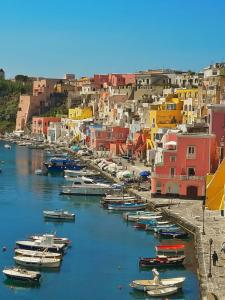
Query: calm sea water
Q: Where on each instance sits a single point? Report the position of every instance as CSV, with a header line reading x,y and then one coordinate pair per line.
x,y
103,259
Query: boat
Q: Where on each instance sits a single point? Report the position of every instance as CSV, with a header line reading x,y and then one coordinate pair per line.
x,y
120,197
7,146
56,240
157,282
19,274
58,215
164,291
133,217
70,174
39,262
176,248
157,228
60,164
38,172
149,224
127,206
45,243
161,261
46,254
173,234
85,186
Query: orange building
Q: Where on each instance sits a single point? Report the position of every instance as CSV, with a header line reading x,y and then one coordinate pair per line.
x,y
40,124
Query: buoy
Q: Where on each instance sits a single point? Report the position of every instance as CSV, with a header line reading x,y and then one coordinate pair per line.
x,y
4,248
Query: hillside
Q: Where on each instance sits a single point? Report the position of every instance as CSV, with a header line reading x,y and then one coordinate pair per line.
x,y
10,92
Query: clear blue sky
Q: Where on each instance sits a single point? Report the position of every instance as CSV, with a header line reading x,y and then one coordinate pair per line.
x,y
52,37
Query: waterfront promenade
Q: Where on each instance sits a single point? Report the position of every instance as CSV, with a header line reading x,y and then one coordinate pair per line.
x,y
189,213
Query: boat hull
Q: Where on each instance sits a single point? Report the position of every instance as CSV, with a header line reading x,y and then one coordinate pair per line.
x,y
84,191
40,247
161,262
143,285
36,263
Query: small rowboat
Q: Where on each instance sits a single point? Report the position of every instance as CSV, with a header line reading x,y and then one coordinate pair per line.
x,y
58,215
177,248
121,197
127,206
164,291
147,285
161,261
22,275
173,234
156,228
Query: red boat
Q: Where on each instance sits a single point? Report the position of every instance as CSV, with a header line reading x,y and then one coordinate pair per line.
x,y
140,226
161,261
176,248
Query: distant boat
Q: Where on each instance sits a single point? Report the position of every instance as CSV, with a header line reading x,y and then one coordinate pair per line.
x,y
58,215
85,186
120,197
46,254
39,262
7,146
19,274
176,248
60,164
127,206
164,291
173,234
161,261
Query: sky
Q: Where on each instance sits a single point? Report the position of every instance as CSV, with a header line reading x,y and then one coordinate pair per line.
x,y
51,37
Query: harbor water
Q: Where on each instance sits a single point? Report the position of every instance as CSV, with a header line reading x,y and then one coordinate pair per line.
x,y
103,259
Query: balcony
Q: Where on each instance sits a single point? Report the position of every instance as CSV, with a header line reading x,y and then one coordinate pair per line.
x,y
177,177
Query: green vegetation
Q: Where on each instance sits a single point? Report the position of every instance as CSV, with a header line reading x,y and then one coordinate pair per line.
x,y
10,92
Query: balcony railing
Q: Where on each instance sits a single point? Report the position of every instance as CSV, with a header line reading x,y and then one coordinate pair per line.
x,y
177,177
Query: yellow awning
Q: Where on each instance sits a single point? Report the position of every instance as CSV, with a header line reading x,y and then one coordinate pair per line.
x,y
215,187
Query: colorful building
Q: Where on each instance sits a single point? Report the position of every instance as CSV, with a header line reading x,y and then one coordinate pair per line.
x,y
79,113
165,115
101,138
40,124
182,163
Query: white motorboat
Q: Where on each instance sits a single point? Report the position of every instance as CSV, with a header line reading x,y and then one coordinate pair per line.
x,y
143,216
30,253
21,274
58,215
70,174
164,291
40,262
120,197
56,240
45,243
85,186
7,146
157,282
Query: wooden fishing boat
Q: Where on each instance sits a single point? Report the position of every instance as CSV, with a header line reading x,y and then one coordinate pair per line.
x,y
58,215
164,291
173,234
37,262
161,261
157,228
144,215
24,275
176,248
46,254
144,285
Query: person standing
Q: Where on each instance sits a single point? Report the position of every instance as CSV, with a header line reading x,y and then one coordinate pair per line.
x,y
215,258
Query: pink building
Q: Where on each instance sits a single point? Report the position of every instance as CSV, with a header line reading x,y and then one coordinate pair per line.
x,y
216,121
30,105
182,164
115,80
101,139
40,124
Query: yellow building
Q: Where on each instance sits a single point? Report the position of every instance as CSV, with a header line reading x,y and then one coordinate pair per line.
x,y
80,113
165,115
184,94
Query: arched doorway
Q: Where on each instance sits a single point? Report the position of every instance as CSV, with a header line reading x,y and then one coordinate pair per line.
x,y
192,192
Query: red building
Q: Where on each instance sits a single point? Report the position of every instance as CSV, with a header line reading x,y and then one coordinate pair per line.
x,y
40,124
102,139
182,164
115,80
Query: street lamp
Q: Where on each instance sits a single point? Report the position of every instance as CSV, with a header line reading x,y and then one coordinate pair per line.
x,y
203,217
210,259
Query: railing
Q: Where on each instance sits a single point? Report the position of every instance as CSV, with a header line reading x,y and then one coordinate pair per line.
x,y
177,177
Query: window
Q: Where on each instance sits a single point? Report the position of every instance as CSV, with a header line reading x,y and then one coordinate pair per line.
x,y
172,172
191,152
191,171
172,158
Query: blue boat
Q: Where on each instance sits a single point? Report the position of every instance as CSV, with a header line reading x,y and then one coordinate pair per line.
x,y
127,206
173,234
59,164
